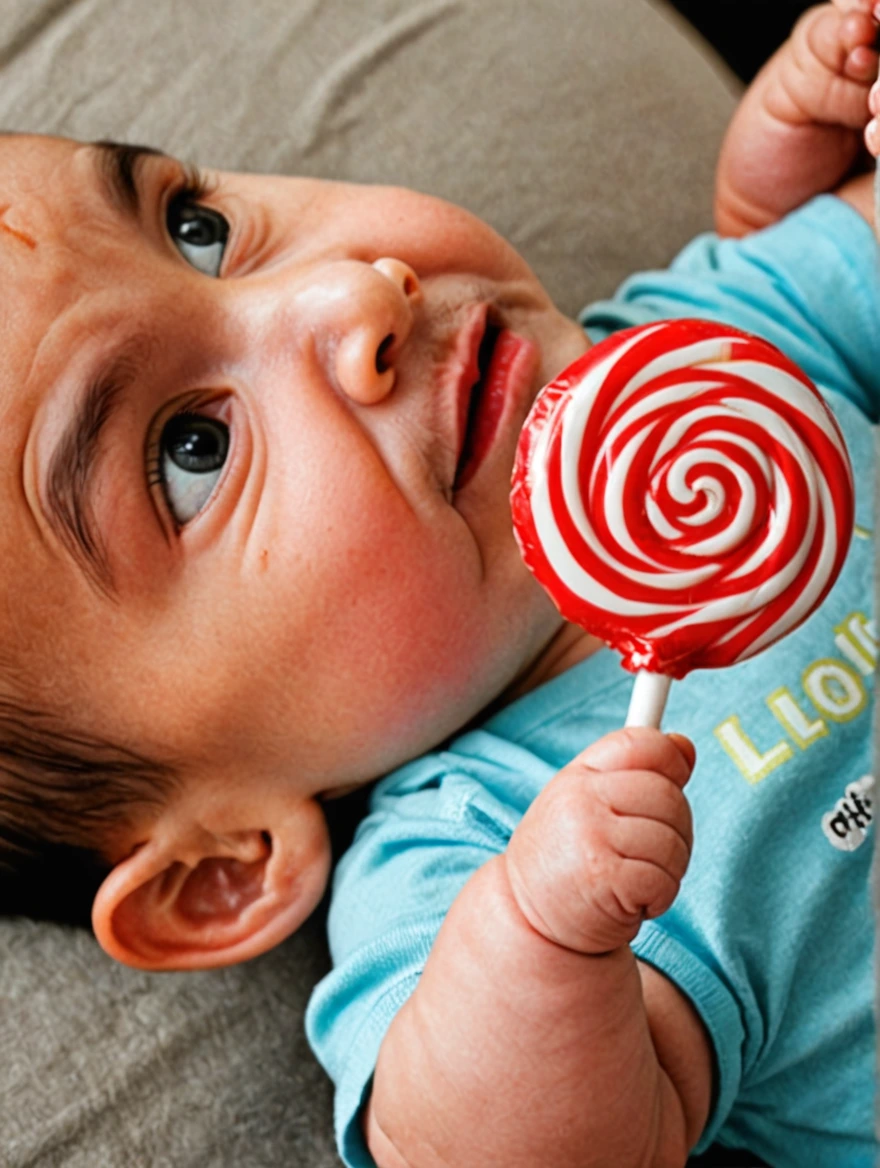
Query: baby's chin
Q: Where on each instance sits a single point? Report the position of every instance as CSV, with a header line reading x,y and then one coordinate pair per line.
x,y
434,719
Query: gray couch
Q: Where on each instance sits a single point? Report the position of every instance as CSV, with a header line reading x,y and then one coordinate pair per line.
x,y
585,131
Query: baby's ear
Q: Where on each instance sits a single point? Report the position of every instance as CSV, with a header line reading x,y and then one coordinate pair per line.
x,y
199,899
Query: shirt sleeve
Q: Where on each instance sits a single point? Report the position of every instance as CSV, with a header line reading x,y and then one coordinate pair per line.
x,y
702,981
391,891
809,284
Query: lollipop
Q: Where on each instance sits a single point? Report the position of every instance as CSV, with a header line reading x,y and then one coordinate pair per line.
x,y
683,492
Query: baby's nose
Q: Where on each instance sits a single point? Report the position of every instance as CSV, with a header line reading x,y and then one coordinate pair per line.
x,y
380,319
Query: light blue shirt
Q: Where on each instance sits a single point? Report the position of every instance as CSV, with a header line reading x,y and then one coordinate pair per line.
x,y
771,935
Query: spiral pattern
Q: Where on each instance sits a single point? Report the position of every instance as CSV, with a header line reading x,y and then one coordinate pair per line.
x,y
683,492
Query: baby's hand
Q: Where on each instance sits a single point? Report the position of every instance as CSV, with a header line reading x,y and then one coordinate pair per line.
x,y
801,127
607,842
833,61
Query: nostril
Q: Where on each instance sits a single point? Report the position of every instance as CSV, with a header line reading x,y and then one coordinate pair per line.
x,y
381,363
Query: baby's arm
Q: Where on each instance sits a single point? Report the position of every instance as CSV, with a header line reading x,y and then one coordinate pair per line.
x,y
799,129
534,1036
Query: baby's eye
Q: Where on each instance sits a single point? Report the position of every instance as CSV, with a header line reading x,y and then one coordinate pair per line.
x,y
192,452
199,233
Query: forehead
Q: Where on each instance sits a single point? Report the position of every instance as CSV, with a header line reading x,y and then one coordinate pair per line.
x,y
40,179
51,210
44,195
25,158
49,195
69,248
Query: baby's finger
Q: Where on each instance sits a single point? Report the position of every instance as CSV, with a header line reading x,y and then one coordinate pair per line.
x,y
853,5
649,890
872,130
856,5
858,44
861,64
686,747
858,28
646,795
653,842
831,38
872,136
639,748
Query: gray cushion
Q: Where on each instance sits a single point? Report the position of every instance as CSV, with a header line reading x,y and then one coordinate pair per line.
x,y
106,1067
586,132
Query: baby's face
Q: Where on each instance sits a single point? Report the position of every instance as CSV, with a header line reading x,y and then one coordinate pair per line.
x,y
252,516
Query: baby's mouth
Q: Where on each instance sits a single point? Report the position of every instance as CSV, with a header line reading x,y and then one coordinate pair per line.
x,y
483,408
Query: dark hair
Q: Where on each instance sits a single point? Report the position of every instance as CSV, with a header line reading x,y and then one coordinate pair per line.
x,y
63,796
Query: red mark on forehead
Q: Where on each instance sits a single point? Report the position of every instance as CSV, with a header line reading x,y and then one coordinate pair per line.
x,y
22,236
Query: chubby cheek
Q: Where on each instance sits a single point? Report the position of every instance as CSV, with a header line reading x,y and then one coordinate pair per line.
x,y
406,646
377,651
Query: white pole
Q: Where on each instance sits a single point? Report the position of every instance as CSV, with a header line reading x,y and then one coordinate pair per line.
x,y
648,699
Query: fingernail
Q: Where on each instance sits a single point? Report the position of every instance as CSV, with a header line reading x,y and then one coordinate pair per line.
x,y
872,135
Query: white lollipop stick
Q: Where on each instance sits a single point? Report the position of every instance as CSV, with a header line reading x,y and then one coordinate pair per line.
x,y
648,700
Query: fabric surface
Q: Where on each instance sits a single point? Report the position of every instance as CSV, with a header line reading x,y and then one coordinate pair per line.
x,y
771,933
508,108
105,1067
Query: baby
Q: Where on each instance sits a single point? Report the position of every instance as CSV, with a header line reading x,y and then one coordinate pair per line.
x,y
286,475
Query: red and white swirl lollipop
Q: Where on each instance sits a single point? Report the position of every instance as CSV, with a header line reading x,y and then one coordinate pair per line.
x,y
683,492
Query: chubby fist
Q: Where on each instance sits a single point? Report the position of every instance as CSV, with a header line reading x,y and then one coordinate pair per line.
x,y
607,841
802,126
824,74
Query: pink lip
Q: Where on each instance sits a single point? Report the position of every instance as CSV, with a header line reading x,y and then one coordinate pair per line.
x,y
467,350
508,377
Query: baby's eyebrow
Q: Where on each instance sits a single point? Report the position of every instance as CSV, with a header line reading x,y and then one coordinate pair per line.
x,y
117,165
70,476
71,470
